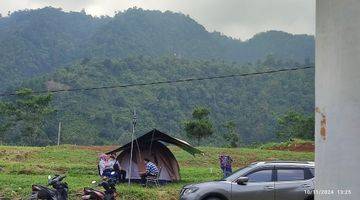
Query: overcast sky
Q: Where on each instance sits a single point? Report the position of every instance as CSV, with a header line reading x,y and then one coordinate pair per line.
x,y
236,18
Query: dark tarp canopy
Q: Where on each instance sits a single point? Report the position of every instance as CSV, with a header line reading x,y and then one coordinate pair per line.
x,y
156,135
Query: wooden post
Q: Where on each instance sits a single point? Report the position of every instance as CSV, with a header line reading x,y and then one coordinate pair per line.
x,y
132,144
59,132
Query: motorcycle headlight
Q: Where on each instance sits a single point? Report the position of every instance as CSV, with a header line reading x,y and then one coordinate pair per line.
x,y
189,190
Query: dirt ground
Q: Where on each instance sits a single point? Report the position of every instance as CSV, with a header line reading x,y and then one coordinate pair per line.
x,y
305,147
98,148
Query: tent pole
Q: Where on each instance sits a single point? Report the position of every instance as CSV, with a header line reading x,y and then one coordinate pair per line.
x,y
152,138
138,147
132,145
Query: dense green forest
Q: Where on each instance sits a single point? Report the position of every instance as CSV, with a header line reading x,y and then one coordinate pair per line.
x,y
104,116
34,42
48,49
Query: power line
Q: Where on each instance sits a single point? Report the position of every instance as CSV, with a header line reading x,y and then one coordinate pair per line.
x,y
162,82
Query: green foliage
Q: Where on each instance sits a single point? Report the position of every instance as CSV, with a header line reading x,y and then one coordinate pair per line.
x,y
104,116
296,125
35,42
49,49
23,118
231,136
200,113
200,126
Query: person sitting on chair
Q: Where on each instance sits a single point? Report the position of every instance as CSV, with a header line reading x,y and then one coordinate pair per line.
x,y
120,173
151,171
104,165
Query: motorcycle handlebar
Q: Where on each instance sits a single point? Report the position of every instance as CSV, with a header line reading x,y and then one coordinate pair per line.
x,y
57,178
62,177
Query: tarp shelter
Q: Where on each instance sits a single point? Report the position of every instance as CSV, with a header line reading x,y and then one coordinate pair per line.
x,y
152,146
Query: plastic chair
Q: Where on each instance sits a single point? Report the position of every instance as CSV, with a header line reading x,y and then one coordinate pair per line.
x,y
154,179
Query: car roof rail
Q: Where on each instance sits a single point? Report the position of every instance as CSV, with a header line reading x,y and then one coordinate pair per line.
x,y
296,162
255,163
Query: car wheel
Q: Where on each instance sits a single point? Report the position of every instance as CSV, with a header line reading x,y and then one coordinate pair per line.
x,y
213,198
310,198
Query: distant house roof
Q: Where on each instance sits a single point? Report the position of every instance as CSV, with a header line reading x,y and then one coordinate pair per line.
x,y
156,135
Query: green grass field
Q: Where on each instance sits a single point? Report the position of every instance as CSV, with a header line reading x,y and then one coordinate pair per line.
x,y
20,167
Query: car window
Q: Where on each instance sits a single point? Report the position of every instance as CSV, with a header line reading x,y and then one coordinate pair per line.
x,y
260,176
312,170
309,173
238,173
290,174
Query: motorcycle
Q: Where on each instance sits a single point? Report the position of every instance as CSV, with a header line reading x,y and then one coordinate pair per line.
x,y
110,191
60,191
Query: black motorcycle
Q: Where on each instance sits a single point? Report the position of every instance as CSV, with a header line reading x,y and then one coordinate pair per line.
x,y
109,194
60,191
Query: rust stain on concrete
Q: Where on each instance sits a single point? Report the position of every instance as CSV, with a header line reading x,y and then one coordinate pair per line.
x,y
323,123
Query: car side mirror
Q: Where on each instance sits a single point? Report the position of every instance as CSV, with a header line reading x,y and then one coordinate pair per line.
x,y
242,180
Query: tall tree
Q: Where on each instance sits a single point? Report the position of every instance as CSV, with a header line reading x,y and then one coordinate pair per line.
x,y
200,125
295,125
22,118
232,137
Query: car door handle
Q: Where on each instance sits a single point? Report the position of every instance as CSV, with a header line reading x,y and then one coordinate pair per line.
x,y
269,187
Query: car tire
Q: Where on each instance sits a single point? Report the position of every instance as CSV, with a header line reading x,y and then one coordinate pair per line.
x,y
310,198
213,198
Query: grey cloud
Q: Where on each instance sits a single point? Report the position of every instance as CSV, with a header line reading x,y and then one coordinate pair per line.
x,y
236,18
243,18
66,4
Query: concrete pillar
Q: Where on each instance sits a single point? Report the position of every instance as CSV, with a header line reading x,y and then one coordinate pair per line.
x,y
337,83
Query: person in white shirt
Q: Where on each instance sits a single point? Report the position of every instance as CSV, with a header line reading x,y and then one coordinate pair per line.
x,y
103,164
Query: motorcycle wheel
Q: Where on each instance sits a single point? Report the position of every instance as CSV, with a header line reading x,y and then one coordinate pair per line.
x,y
34,196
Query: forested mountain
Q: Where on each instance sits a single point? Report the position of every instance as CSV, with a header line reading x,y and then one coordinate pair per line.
x,y
34,42
48,49
104,116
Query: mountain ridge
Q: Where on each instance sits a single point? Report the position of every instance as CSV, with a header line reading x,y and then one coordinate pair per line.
x,y
36,42
48,49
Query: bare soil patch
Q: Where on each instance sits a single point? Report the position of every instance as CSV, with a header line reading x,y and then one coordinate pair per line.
x,y
303,147
98,148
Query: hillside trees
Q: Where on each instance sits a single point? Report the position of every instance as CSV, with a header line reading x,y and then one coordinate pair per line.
x,y
97,117
36,42
232,136
200,125
22,118
48,48
296,125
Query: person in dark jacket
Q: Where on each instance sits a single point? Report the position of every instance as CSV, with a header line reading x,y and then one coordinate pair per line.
x,y
120,173
226,164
